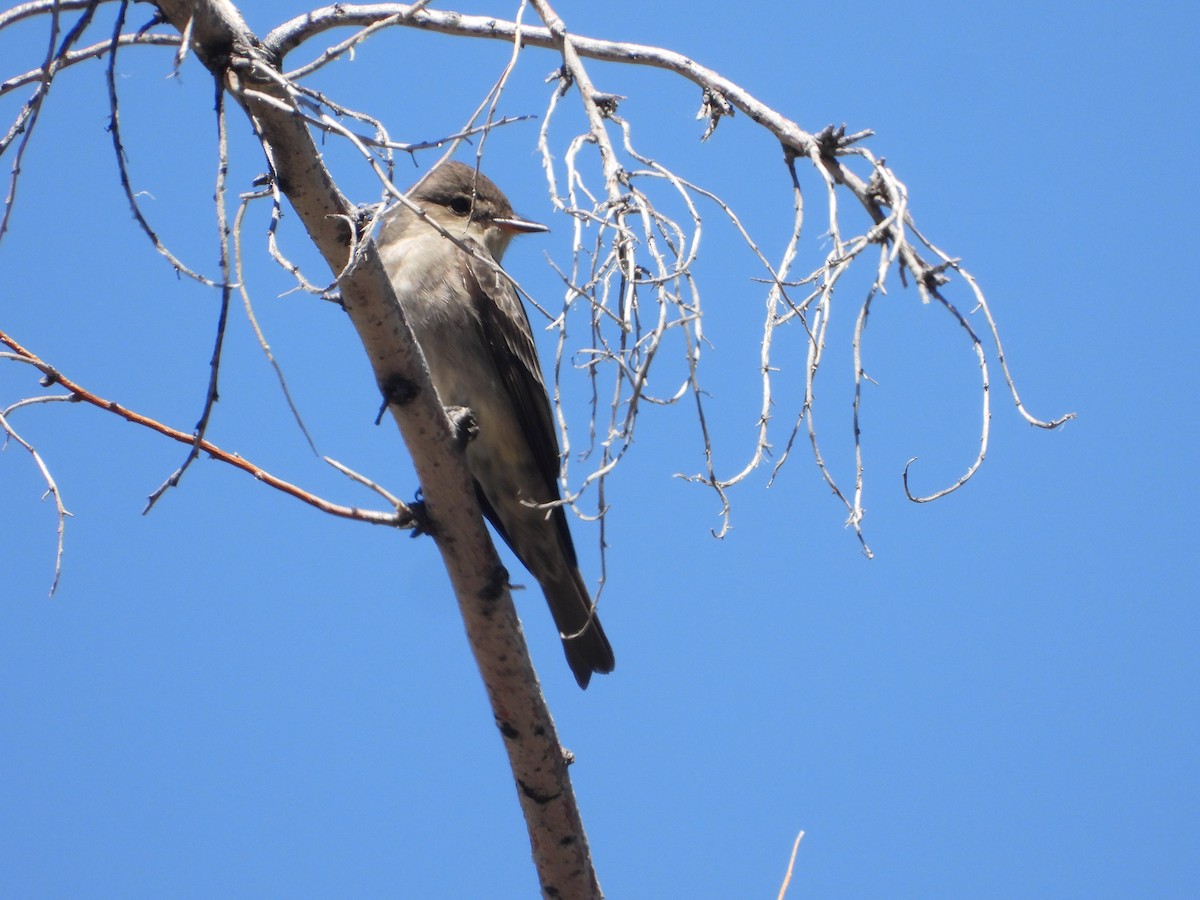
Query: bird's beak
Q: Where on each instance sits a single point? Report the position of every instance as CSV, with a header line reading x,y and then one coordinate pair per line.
x,y
520,226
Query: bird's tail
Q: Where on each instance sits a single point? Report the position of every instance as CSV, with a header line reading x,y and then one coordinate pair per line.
x,y
583,638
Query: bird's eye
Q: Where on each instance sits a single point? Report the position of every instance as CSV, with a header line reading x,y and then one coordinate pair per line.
x,y
460,205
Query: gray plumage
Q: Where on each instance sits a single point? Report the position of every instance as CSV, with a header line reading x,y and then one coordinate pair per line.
x,y
479,346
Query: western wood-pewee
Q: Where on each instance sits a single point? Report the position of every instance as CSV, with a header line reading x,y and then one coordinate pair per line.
x,y
479,346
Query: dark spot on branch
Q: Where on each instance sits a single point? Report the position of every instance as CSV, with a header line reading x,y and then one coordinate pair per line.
x,y
397,390
497,584
537,796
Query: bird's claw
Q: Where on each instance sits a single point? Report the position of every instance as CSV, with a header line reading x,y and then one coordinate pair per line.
x,y
422,523
464,423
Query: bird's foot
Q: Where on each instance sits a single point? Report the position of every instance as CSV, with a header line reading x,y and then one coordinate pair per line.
x,y
463,421
422,523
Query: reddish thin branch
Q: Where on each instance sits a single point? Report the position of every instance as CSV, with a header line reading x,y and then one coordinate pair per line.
x,y
83,395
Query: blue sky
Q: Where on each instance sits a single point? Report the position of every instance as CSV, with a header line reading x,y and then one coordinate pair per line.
x,y
237,696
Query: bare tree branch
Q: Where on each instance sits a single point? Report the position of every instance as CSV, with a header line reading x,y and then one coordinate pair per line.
x,y
51,484
401,517
787,878
629,225
27,119
114,128
214,366
95,51
225,45
631,282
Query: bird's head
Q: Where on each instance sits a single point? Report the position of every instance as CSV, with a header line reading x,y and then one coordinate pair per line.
x,y
465,201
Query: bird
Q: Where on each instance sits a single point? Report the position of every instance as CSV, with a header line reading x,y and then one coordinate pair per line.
x,y
475,334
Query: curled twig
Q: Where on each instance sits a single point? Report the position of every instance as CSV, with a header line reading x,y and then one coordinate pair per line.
x,y
51,484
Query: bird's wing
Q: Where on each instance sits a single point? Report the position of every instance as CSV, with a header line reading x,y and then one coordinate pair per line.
x,y
508,335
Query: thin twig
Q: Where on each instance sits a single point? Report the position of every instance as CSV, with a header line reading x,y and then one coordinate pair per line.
x,y
51,484
28,117
114,128
246,199
214,365
95,51
787,878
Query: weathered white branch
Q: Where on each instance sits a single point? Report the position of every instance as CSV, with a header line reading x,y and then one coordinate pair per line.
x,y
227,48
